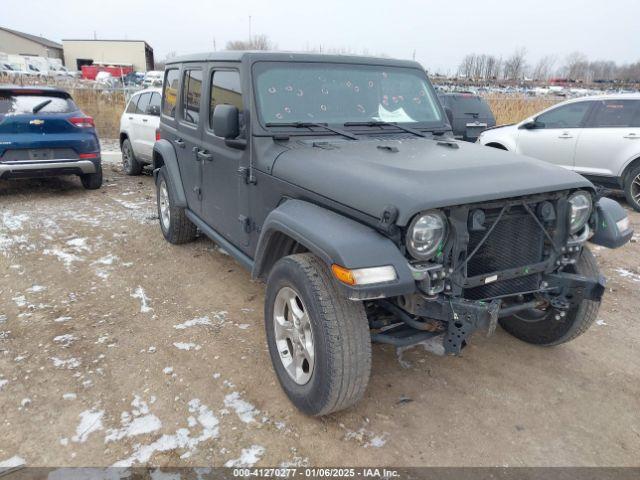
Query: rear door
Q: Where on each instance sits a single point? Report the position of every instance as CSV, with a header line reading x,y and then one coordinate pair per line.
x,y
147,127
225,196
555,142
189,135
610,139
137,125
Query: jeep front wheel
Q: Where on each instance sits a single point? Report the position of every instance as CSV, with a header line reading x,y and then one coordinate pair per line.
x,y
175,225
547,327
318,340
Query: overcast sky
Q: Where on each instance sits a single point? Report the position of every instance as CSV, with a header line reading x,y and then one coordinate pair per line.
x,y
440,32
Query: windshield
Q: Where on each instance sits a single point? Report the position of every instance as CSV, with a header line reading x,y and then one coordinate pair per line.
x,y
341,93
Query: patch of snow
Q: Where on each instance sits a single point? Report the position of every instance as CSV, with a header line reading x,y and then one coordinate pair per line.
x,y
186,346
36,289
69,396
69,364
628,274
248,457
167,370
144,300
3,318
62,319
90,421
106,260
64,257
192,323
601,322
3,382
65,340
243,326
13,462
138,422
20,300
25,402
79,244
245,411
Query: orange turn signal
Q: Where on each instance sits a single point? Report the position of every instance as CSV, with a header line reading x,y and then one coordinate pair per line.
x,y
343,274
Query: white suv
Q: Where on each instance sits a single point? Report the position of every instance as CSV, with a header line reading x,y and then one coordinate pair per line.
x,y
138,126
598,137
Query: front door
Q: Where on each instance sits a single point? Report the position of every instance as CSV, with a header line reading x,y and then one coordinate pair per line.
x,y
225,201
556,139
189,135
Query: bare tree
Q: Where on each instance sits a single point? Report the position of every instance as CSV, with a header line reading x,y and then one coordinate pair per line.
x,y
515,65
257,42
544,68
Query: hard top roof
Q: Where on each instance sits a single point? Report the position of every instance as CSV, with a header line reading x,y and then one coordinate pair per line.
x,y
251,55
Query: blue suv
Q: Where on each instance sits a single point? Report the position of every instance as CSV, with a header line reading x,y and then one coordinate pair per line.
x,y
44,133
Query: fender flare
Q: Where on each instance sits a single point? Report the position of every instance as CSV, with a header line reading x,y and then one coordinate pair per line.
x,y
335,239
165,150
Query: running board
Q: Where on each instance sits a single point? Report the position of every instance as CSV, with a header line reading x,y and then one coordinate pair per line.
x,y
239,255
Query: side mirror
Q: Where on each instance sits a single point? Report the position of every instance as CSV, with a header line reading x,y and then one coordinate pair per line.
x,y
449,113
532,125
154,110
612,229
225,121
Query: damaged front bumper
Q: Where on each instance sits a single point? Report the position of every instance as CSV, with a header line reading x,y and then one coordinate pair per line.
x,y
456,319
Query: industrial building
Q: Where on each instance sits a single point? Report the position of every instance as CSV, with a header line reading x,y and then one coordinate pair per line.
x,y
121,52
13,42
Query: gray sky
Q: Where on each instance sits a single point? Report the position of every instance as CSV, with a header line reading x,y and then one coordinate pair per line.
x,y
440,32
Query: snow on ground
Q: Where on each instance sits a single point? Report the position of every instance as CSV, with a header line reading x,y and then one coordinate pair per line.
x,y
144,300
248,457
186,346
13,462
245,411
192,323
137,422
624,273
90,421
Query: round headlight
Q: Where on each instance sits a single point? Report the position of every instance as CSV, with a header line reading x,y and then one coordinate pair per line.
x,y
426,234
580,210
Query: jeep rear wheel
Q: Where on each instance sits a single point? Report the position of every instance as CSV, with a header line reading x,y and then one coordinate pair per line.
x,y
175,225
542,327
318,340
130,164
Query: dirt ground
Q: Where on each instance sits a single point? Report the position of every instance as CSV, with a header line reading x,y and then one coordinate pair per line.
x,y
119,348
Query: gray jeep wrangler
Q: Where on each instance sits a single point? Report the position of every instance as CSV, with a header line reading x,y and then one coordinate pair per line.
x,y
335,180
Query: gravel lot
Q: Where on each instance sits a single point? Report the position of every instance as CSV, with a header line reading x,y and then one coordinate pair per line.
x,y
119,348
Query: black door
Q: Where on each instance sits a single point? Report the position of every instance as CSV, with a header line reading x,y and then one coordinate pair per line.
x,y
189,135
225,201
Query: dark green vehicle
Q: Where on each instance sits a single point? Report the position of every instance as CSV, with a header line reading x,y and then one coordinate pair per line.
x,y
335,180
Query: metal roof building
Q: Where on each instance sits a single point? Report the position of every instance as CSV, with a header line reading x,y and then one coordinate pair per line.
x,y
20,43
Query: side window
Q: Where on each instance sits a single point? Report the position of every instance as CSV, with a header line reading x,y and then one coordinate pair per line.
x,y
154,102
615,113
191,90
170,92
567,116
226,90
131,108
143,103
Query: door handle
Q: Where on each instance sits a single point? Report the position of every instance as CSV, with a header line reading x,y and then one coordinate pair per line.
x,y
632,136
566,135
145,120
204,155
130,118
179,142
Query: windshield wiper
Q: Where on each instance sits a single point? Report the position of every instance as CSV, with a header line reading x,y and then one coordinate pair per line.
x,y
312,124
379,123
41,105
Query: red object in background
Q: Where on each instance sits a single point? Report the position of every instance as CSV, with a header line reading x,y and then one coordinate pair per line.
x,y
89,72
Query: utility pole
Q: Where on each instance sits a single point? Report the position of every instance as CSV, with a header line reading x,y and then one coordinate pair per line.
x,y
214,44
249,29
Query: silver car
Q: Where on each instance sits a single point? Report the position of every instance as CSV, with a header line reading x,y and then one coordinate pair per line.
x,y
598,137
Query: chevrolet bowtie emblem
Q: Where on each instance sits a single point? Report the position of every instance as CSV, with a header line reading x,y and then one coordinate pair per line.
x,y
37,121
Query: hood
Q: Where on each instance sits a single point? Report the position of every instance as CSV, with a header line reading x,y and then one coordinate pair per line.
x,y
417,174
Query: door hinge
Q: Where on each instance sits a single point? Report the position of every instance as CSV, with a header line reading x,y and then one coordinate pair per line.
x,y
198,192
247,225
245,173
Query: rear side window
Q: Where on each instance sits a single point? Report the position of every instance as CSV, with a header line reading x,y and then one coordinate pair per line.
x,y
131,108
155,101
567,116
19,104
143,103
191,91
225,90
170,92
615,113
